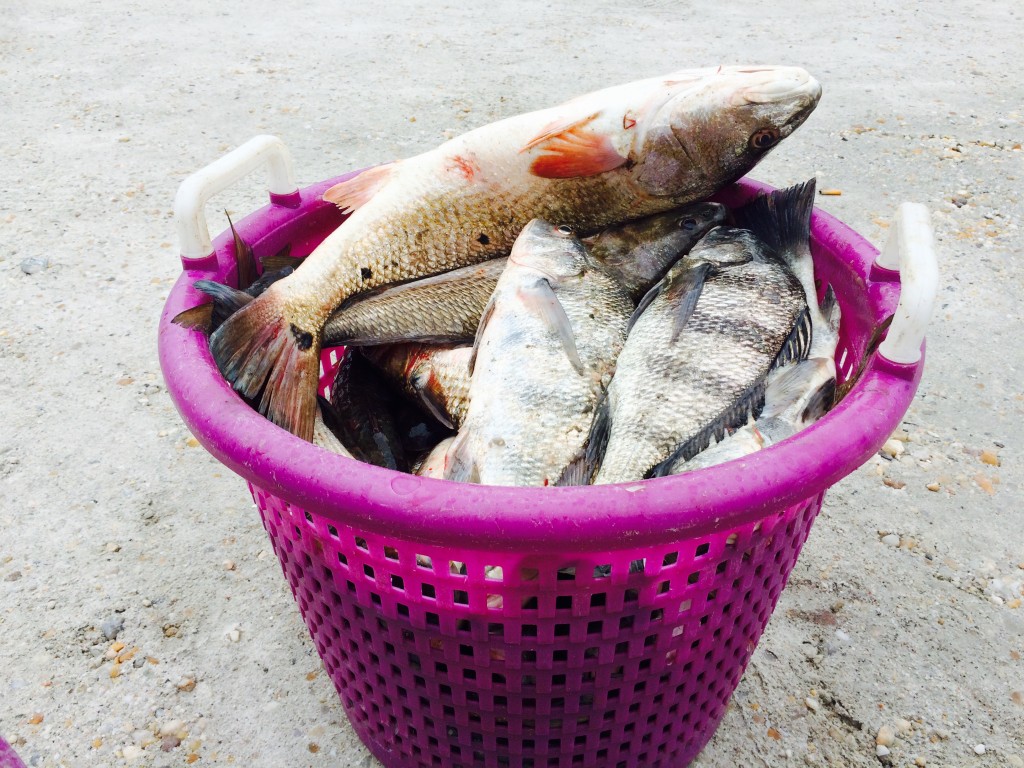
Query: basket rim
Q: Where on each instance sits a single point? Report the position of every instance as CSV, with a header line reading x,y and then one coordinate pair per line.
x,y
500,518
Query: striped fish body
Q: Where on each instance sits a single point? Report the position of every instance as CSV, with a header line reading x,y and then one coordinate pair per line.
x,y
669,398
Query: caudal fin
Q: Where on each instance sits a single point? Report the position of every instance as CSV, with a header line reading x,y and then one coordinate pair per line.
x,y
272,361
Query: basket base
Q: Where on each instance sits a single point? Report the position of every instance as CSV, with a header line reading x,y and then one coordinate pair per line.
x,y
452,659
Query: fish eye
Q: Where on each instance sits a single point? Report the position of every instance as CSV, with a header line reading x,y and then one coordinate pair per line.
x,y
564,230
689,223
765,138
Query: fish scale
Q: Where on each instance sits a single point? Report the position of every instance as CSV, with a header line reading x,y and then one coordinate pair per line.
x,y
666,394
530,409
582,164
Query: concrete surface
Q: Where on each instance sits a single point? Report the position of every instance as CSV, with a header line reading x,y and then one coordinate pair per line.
x,y
109,513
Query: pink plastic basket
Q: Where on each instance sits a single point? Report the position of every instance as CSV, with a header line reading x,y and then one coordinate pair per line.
x,y
486,626
8,758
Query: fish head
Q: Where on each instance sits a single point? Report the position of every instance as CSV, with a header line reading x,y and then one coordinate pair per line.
x,y
710,130
728,246
639,252
552,250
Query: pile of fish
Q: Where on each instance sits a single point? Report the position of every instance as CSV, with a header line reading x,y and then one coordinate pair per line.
x,y
546,300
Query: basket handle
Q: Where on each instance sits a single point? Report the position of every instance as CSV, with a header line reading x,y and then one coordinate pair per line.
x,y
197,189
910,249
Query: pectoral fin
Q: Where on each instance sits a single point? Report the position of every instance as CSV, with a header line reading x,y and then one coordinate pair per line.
x,y
540,299
571,149
352,194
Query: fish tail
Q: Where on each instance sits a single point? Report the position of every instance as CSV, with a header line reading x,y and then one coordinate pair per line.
x,y
267,358
226,300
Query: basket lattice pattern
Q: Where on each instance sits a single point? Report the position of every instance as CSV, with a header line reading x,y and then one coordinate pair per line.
x,y
449,658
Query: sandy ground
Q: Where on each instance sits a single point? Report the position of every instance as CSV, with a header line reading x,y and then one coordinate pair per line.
x,y
111,516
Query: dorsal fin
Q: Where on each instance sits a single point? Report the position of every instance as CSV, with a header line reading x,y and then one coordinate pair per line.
x,y
352,194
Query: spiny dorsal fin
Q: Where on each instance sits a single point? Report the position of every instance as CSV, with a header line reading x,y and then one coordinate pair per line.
x,y
781,218
352,194
244,260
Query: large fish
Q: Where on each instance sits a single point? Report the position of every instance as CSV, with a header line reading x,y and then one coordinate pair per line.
x,y
435,377
545,353
446,308
698,355
613,155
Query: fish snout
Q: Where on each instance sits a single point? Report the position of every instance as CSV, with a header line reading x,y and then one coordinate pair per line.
x,y
773,85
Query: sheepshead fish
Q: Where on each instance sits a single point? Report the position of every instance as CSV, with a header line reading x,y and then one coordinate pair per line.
x,y
446,308
799,393
544,355
434,377
613,155
432,464
698,355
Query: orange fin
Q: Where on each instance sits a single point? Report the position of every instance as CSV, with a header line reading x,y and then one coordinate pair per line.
x,y
354,193
570,150
269,359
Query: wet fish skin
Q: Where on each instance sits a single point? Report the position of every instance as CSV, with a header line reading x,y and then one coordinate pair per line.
x,y
441,309
434,377
640,252
669,399
544,356
446,308
621,153
359,414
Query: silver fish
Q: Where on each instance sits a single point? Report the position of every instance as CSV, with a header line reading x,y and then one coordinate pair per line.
x,y
698,354
545,353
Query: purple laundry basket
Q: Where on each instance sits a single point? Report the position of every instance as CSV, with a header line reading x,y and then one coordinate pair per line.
x,y
8,758
466,625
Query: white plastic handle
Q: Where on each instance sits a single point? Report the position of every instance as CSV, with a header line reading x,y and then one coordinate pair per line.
x,y
197,189
911,250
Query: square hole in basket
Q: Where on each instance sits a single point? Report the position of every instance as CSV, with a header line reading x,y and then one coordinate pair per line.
x,y
456,568
594,627
494,573
428,591
361,543
461,597
423,561
567,574
368,570
563,601
390,552
529,630
598,600
602,571
332,531
397,582
342,559
433,619
693,578
561,630
703,549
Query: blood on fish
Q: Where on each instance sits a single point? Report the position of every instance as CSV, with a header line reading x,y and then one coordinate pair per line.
x,y
628,121
466,168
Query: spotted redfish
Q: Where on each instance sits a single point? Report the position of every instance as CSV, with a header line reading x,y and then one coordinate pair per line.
x,y
610,156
